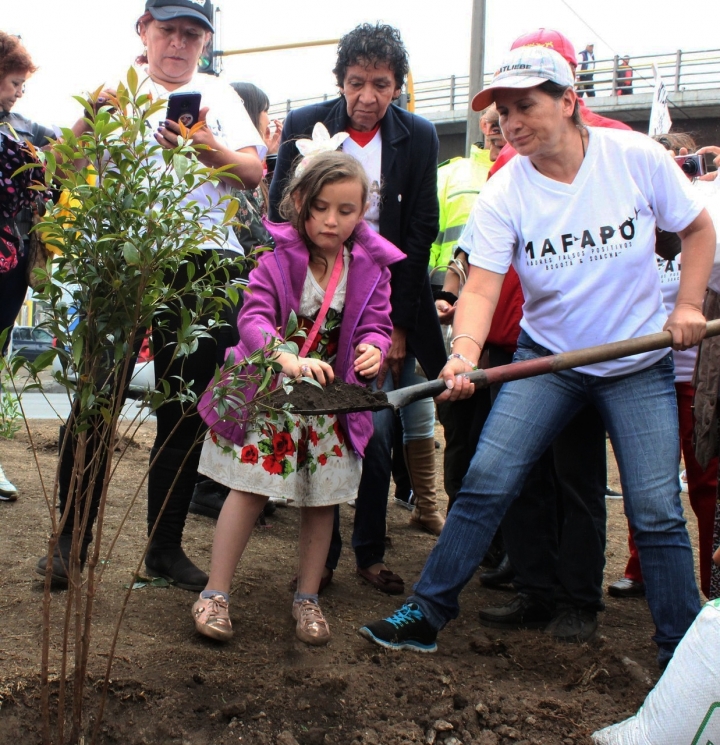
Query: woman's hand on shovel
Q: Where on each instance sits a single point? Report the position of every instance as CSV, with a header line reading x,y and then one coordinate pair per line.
x,y
687,326
455,376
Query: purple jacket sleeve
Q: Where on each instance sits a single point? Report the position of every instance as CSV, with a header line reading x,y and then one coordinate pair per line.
x,y
375,326
261,314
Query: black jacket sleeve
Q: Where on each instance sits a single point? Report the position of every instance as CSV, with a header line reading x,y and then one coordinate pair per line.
x,y
420,230
287,154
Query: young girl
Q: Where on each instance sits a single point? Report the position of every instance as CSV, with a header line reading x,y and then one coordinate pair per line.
x,y
314,461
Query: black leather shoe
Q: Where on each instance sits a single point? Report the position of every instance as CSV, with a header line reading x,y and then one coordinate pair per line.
x,y
522,612
208,498
573,625
59,576
173,565
503,574
626,588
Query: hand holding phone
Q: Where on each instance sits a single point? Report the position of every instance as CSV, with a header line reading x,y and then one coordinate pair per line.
x,y
183,108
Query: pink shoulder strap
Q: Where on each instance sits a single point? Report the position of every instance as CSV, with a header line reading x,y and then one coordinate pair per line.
x,y
329,294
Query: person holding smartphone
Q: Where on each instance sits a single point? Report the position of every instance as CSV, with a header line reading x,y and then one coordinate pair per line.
x,y
175,33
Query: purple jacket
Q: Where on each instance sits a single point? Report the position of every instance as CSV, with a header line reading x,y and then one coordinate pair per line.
x,y
275,290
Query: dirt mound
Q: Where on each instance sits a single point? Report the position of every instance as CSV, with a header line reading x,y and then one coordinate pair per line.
x,y
173,687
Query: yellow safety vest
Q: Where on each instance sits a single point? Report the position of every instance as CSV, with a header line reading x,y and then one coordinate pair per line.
x,y
459,183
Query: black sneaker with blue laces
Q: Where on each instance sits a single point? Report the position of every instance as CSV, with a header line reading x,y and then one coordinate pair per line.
x,y
407,628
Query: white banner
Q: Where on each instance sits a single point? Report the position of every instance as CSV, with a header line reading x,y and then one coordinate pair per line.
x,y
660,121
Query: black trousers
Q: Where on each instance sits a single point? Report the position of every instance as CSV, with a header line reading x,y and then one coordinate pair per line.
x,y
554,532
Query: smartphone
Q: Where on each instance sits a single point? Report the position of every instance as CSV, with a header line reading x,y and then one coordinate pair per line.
x,y
183,108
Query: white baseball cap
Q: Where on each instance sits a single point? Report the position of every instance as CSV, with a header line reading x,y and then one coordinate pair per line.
x,y
526,67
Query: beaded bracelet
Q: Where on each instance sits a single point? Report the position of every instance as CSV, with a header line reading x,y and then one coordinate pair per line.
x,y
465,336
462,358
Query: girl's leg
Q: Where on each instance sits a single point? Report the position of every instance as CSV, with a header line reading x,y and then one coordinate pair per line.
x,y
235,523
234,526
316,524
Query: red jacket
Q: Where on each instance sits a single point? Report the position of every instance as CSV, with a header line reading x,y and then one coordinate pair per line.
x,y
505,326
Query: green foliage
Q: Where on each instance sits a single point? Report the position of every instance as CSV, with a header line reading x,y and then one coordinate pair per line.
x,y
10,414
126,229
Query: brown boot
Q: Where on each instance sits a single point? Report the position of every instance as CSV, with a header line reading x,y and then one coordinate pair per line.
x,y
420,459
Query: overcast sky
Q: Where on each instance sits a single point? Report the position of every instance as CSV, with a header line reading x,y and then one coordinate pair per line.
x,y
80,44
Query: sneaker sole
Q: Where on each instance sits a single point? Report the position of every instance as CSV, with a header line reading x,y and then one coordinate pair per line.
x,y
313,641
403,503
211,633
5,497
412,646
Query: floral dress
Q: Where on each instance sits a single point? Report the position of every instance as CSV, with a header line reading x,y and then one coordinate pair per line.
x,y
305,459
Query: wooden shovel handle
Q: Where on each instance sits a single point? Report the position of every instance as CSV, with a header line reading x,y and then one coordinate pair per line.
x,y
551,363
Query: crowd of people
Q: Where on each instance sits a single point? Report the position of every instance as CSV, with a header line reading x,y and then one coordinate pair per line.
x,y
563,229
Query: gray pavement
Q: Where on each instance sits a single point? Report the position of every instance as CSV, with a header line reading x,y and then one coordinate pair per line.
x,y
57,406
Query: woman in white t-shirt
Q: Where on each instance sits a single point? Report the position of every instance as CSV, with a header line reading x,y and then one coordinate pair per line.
x,y
575,214
175,33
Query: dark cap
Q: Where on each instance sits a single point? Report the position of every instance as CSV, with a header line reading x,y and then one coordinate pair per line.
x,y
168,10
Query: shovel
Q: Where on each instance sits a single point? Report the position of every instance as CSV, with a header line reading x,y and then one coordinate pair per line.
x,y
376,400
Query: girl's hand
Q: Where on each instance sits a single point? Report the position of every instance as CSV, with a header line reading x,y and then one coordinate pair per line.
x,y
367,360
454,374
307,367
716,557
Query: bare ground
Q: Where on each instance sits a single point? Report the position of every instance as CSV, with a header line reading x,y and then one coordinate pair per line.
x,y
170,686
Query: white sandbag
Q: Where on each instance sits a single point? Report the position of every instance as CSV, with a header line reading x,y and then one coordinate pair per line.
x,y
684,706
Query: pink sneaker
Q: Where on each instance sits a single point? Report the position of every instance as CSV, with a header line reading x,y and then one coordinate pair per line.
x,y
312,628
212,617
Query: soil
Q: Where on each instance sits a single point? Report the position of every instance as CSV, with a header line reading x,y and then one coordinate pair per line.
x,y
171,686
306,398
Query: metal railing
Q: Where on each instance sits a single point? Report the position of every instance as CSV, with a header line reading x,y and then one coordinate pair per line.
x,y
681,71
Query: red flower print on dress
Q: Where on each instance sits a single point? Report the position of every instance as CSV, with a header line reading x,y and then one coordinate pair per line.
x,y
249,454
337,429
312,436
322,459
213,437
272,465
282,445
337,451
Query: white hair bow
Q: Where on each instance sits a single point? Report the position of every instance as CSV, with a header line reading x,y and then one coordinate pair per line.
x,y
321,142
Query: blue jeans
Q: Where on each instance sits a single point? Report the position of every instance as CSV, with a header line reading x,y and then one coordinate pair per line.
x,y
418,421
640,415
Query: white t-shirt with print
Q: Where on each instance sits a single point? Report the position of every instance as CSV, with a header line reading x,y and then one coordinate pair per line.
x,y
229,122
669,275
669,272
370,157
710,193
585,252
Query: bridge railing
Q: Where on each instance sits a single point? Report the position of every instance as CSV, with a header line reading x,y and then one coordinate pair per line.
x,y
681,71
